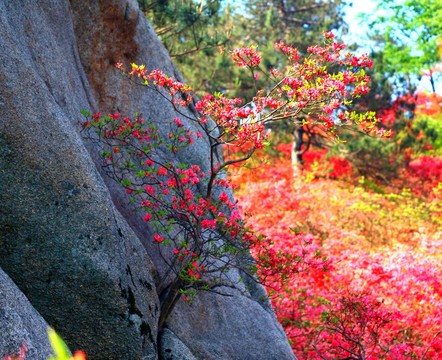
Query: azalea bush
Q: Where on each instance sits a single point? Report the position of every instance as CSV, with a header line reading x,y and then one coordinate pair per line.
x,y
378,296
200,234
196,223
415,125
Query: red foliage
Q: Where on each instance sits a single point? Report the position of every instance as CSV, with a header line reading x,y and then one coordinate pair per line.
x,y
423,174
426,168
428,104
312,156
284,149
353,299
399,106
341,167
334,167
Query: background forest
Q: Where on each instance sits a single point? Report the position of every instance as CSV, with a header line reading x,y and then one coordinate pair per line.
x,y
371,208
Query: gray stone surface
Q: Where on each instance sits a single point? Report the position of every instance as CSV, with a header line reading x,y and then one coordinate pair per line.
x,y
68,237
214,329
20,323
61,239
170,347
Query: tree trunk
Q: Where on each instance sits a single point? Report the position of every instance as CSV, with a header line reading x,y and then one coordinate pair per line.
x,y
168,298
433,87
296,150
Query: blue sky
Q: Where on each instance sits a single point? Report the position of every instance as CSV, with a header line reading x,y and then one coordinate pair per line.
x,y
357,30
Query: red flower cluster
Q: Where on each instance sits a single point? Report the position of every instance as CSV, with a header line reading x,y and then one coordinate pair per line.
x,y
246,57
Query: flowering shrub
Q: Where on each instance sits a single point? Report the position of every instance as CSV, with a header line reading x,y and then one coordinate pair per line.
x,y
378,295
415,124
200,227
426,168
188,208
352,326
333,167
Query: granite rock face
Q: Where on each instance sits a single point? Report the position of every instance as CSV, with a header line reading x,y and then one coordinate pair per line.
x,y
61,239
172,348
68,237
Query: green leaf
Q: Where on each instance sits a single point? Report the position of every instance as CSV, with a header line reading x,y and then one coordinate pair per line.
x,y
126,182
60,349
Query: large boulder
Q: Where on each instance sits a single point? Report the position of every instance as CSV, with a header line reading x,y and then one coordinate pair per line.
x,y
20,324
61,239
68,237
